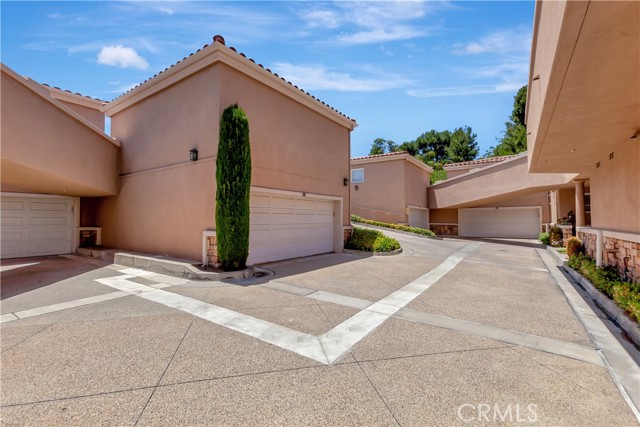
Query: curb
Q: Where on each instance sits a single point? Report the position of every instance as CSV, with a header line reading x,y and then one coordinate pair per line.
x,y
608,305
366,253
181,269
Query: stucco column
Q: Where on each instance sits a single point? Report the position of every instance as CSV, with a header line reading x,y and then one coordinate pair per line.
x,y
579,185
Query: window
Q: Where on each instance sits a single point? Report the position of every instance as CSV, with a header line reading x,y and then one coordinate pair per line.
x,y
357,175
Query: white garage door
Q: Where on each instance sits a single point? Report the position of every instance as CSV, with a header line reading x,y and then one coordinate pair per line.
x,y
285,227
517,223
418,218
35,226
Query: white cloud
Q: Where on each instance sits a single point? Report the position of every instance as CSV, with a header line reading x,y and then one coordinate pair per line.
x,y
121,56
119,89
501,41
166,11
463,90
318,77
374,22
381,35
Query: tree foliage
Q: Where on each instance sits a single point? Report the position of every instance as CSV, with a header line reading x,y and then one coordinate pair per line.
x,y
233,181
514,139
435,147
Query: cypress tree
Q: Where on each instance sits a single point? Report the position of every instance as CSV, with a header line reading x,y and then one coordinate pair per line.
x,y
233,187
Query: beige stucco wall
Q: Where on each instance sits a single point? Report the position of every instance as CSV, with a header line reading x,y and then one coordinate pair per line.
x,y
493,183
534,199
93,116
167,201
46,150
382,195
566,201
615,190
416,184
456,172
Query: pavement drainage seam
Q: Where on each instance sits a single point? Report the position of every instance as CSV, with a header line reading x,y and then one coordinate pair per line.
x,y
326,348
614,357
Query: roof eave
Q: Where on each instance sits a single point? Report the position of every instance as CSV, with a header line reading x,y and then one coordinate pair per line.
x,y
217,52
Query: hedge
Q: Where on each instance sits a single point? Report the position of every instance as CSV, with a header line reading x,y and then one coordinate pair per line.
x,y
400,227
363,239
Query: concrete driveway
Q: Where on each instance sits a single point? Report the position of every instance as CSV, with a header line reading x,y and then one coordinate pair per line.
x,y
451,332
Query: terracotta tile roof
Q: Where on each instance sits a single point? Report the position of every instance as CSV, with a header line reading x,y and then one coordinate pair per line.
x,y
485,161
220,39
74,93
396,153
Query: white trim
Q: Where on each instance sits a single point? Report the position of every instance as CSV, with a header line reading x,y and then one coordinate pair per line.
x,y
356,170
294,193
217,52
35,195
629,237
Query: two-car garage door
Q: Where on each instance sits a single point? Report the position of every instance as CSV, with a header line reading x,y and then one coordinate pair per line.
x,y
36,226
284,227
511,222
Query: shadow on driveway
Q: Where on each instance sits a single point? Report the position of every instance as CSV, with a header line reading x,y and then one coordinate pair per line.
x,y
21,275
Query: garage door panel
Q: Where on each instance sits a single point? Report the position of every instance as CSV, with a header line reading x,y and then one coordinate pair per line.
x,y
289,227
48,221
12,221
11,205
49,206
500,222
47,235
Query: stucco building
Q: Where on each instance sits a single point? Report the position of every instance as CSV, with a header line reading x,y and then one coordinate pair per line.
x,y
145,186
390,188
583,117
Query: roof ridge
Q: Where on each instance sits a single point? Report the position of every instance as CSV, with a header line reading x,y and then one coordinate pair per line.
x,y
371,156
218,38
483,160
73,93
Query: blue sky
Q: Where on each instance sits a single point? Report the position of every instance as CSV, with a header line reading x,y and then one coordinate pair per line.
x,y
399,68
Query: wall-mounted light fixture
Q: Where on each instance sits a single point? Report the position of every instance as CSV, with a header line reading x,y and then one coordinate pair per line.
x,y
345,181
193,154
356,188
635,136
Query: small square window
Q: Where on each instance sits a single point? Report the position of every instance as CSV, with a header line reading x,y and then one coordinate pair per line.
x,y
357,175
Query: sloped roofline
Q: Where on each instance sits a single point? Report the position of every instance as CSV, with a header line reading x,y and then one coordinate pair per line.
x,y
219,52
45,93
400,155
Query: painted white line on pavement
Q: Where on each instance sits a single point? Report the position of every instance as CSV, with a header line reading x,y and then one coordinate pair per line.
x,y
8,317
62,306
328,347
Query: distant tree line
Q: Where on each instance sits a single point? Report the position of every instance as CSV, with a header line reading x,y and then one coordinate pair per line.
x,y
438,148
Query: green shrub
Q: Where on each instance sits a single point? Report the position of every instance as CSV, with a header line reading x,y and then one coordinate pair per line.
x,y
544,238
574,246
438,174
233,180
555,236
607,280
400,227
363,239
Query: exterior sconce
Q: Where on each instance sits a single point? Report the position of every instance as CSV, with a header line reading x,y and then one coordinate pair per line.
x,y
356,188
345,181
193,154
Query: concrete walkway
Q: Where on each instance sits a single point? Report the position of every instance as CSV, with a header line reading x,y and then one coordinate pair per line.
x,y
451,332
